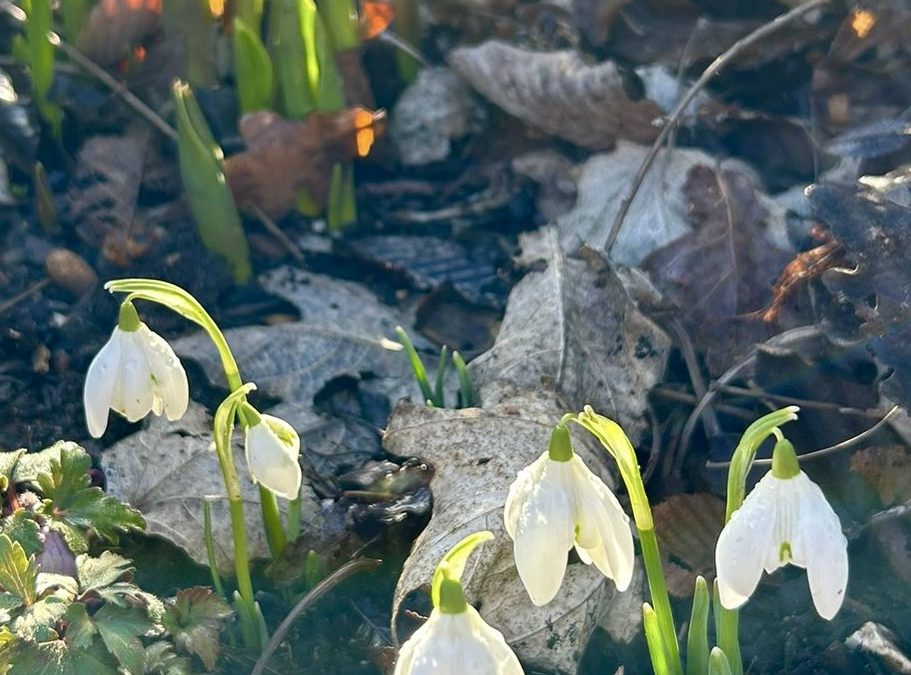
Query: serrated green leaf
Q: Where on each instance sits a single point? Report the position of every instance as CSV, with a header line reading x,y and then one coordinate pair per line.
x,y
33,464
64,586
18,572
22,528
120,629
97,573
195,620
37,623
70,499
8,461
56,658
8,642
80,630
162,660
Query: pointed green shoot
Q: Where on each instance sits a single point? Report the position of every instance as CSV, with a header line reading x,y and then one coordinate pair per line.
x,y
40,57
442,364
655,641
340,19
466,396
697,640
417,366
718,663
202,170
252,69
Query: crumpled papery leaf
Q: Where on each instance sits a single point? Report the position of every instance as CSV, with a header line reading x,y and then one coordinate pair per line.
x,y
885,468
688,526
658,214
284,156
572,326
167,469
559,93
344,331
876,236
477,454
723,271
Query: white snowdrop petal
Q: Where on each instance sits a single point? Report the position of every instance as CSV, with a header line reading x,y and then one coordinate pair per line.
x,y
543,534
456,644
825,548
135,381
519,491
271,462
743,544
170,378
613,553
100,381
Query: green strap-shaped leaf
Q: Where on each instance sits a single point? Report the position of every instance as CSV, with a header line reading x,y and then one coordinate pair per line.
x,y
208,194
697,640
252,69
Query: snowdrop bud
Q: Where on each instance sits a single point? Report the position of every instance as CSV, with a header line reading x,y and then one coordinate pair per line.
x,y
455,640
785,519
136,372
557,503
272,447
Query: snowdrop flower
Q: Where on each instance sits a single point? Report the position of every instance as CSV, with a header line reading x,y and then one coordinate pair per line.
x,y
456,640
134,373
785,519
272,447
557,503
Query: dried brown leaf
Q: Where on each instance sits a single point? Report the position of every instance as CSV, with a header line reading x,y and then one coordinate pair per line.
x,y
688,526
888,471
282,156
559,93
721,274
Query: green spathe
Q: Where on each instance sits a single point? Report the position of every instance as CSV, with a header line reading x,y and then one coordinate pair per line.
x,y
446,587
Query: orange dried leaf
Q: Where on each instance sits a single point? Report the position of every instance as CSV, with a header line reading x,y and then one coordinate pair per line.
x,y
375,17
282,157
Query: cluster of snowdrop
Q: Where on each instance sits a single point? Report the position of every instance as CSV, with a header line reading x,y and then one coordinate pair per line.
x,y
555,504
137,372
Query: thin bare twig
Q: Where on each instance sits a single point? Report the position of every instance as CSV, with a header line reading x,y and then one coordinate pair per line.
x,y
315,594
781,340
31,290
671,122
118,88
790,400
684,397
277,232
816,454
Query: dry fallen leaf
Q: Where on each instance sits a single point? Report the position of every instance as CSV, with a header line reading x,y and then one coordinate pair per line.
x,y
284,156
114,26
168,469
688,526
887,469
721,275
559,93
476,455
570,325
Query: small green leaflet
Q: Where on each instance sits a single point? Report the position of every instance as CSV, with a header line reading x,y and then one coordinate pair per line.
x,y
18,572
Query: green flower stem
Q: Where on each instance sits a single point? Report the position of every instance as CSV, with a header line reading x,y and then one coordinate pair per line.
x,y
619,447
210,547
727,621
272,521
294,519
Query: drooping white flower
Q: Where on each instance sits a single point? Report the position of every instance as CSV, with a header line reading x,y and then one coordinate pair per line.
x,y
785,519
557,503
456,640
136,372
272,447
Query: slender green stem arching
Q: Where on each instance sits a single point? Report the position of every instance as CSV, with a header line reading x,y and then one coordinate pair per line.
x,y
621,450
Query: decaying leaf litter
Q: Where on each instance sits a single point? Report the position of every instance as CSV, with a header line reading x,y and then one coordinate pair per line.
x,y
493,199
